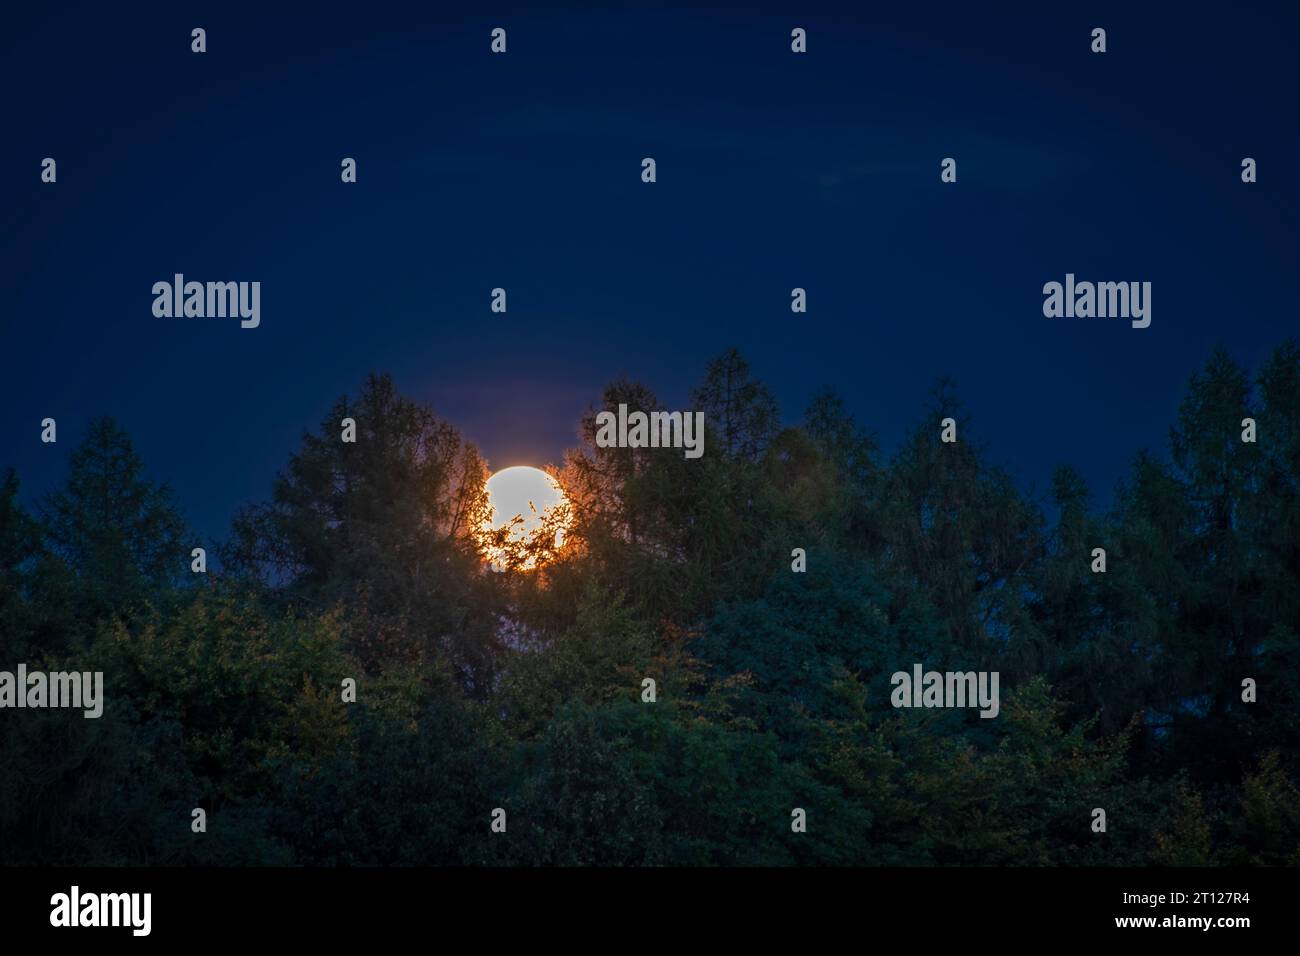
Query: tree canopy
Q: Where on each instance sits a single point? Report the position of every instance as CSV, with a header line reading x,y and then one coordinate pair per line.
x,y
668,686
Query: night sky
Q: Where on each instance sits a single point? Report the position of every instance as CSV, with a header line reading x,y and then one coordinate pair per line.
x,y
775,170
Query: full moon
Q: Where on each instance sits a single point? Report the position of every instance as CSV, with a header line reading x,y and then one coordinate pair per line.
x,y
526,493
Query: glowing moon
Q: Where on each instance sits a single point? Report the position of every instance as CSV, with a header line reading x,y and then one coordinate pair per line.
x,y
526,493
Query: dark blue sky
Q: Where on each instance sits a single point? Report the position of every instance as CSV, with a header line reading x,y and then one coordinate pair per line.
x,y
523,171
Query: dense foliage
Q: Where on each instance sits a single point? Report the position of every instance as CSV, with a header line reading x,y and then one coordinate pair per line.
x,y
523,689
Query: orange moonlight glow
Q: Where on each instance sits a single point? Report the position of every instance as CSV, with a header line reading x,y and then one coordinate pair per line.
x,y
530,495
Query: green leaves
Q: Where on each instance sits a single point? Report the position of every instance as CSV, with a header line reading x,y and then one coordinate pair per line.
x,y
1121,689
